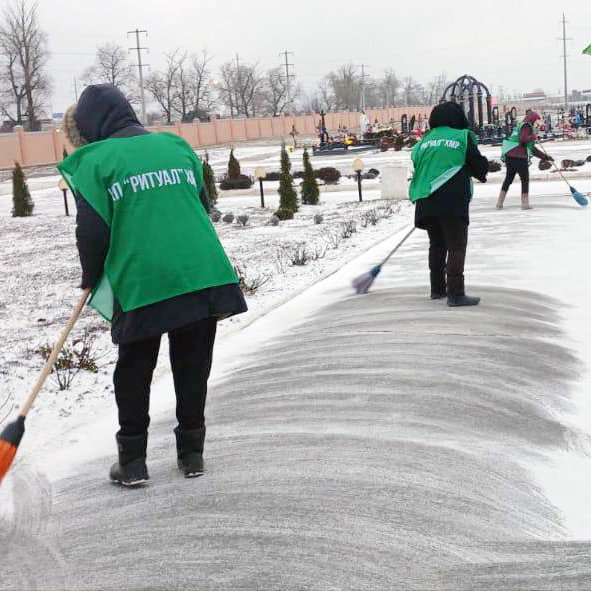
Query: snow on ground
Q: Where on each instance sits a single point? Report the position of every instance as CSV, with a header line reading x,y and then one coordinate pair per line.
x,y
39,271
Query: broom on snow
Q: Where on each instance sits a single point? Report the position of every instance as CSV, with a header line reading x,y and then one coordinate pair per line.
x,y
13,433
362,284
581,199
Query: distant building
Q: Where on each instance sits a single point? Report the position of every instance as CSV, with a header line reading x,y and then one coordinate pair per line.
x,y
535,95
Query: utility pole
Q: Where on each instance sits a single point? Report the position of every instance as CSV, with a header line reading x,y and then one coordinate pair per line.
x,y
140,67
363,77
241,94
564,40
76,88
288,76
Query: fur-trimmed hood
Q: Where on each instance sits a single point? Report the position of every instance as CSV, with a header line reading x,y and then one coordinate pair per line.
x,y
101,112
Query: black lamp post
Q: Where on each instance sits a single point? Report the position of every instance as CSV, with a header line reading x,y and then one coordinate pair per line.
x,y
358,168
260,173
63,187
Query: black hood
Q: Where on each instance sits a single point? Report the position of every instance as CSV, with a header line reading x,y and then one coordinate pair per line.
x,y
102,111
448,114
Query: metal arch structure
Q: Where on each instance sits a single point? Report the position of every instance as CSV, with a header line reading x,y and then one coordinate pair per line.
x,y
473,96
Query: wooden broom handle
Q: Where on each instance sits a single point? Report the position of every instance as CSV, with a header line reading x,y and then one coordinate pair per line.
x,y
55,353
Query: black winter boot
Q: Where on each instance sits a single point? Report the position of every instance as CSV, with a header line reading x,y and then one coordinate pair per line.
x,y
131,468
462,300
438,285
189,449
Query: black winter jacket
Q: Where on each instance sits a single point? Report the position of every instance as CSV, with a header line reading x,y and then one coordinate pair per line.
x,y
103,112
452,200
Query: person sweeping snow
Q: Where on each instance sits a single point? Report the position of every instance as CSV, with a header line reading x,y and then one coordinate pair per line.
x,y
517,153
155,265
441,188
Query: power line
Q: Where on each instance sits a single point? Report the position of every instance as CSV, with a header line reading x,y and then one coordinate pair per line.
x,y
140,67
288,76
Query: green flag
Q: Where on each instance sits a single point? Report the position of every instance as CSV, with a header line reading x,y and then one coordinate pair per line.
x,y
587,50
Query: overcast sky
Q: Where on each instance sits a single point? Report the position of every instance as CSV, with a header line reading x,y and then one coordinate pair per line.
x,y
513,44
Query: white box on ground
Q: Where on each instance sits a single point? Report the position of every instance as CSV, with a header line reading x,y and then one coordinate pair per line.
x,y
394,182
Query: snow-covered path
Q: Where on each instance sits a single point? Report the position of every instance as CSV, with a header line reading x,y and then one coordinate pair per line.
x,y
372,442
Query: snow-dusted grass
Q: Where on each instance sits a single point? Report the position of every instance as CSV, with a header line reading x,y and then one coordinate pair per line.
x,y
39,274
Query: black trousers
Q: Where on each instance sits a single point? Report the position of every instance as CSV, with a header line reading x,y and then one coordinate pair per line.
x,y
518,166
191,352
448,240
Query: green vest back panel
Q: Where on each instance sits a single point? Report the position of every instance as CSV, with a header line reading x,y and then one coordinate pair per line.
x,y
437,158
146,188
514,142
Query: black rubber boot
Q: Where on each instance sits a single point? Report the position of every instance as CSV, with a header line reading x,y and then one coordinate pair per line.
x,y
456,296
462,300
131,469
189,449
438,285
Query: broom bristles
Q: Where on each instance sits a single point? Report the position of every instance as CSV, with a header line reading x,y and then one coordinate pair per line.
x,y
581,199
9,442
362,284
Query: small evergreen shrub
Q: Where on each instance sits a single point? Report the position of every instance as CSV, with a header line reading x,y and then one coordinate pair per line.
x,y
310,191
242,220
274,221
233,166
215,216
241,182
544,165
22,203
209,181
284,214
228,218
329,175
318,218
288,198
398,143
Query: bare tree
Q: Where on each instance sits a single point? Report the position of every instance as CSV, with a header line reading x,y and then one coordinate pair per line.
x,y
23,59
274,95
193,97
312,102
389,88
345,84
413,92
435,88
111,66
326,90
240,88
202,98
162,85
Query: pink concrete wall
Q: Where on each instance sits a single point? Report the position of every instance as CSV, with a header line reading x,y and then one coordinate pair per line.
x,y
266,126
238,129
253,129
46,147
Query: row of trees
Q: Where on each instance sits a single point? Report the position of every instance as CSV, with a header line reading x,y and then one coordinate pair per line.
x,y
187,88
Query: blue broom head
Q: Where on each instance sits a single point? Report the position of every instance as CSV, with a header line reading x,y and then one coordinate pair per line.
x,y
362,284
581,199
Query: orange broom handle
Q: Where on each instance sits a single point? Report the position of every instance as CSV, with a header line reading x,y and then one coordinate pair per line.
x,y
55,353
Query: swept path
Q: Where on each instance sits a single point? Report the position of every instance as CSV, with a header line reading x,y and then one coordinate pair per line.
x,y
384,442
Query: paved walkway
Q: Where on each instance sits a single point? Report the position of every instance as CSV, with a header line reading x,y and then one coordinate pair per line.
x,y
388,442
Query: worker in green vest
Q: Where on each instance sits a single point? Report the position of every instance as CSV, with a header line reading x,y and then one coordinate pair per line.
x,y
445,161
155,265
517,153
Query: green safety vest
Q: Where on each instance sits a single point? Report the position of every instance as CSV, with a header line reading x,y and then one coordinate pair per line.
x,y
437,158
514,142
162,243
